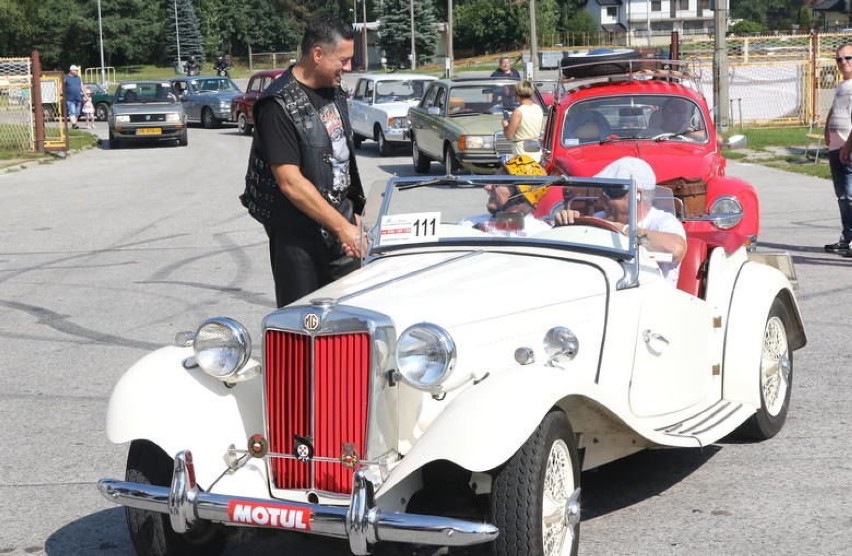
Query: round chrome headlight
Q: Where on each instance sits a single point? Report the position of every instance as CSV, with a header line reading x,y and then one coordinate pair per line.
x,y
727,212
425,356
222,346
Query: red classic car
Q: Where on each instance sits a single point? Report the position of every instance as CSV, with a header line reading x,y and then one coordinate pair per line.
x,y
241,105
656,113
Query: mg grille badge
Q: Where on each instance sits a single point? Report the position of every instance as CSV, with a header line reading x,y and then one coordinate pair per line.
x,y
311,321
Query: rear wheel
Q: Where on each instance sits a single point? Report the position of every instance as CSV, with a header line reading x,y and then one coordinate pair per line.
x,y
535,496
208,120
151,532
776,377
243,125
421,162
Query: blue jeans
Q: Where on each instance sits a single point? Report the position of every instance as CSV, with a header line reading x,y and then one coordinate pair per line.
x,y
841,175
73,108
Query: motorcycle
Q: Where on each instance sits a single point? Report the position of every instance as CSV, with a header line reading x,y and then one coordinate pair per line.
x,y
222,68
191,67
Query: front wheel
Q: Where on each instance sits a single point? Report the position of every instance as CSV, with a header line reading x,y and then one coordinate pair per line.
x,y
151,532
535,496
208,120
183,139
451,163
776,377
384,147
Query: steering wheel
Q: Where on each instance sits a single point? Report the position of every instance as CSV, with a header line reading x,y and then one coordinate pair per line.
x,y
596,222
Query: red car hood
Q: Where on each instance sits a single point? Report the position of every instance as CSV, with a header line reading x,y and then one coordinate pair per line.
x,y
669,159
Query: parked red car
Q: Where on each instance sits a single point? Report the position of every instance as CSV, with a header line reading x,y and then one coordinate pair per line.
x,y
241,105
657,114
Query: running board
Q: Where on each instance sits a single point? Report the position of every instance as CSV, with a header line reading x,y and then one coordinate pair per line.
x,y
708,426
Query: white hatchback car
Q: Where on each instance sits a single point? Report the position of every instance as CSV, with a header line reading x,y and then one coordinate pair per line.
x,y
450,392
378,108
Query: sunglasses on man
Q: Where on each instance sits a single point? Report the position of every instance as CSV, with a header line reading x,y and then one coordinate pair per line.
x,y
614,192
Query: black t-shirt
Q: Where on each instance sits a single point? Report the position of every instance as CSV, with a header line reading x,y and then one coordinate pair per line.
x,y
280,144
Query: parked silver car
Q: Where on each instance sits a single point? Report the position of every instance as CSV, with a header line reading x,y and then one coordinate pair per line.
x,y
146,110
206,99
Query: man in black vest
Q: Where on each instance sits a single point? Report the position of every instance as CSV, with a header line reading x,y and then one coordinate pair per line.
x,y
302,183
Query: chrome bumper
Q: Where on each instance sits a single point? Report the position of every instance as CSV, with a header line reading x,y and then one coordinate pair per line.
x,y
362,522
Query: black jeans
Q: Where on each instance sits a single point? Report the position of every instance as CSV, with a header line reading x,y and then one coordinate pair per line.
x,y
303,264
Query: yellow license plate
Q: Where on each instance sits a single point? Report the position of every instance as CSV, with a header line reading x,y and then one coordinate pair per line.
x,y
149,131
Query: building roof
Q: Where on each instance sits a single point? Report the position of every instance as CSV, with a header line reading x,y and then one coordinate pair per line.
x,y
614,27
831,6
609,2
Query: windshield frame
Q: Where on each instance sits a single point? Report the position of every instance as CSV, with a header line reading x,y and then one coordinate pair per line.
x,y
382,198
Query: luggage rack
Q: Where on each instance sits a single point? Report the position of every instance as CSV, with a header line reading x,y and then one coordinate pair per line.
x,y
637,69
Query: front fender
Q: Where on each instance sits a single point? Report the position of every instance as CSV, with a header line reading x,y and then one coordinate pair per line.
x,y
487,423
756,288
176,408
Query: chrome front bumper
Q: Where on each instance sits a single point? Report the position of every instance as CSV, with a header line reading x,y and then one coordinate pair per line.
x,y
362,522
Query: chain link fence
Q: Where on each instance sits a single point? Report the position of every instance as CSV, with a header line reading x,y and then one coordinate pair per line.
x,y
16,109
774,80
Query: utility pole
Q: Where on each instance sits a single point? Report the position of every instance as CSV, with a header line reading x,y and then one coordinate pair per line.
x,y
449,38
413,46
533,41
101,41
366,55
720,67
177,36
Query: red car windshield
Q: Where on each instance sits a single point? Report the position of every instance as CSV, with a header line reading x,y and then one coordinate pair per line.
x,y
628,117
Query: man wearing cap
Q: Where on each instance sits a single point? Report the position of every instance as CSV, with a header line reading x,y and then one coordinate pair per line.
x,y
657,229
73,94
510,207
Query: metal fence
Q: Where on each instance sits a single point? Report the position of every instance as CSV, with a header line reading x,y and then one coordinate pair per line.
x,y
774,80
16,120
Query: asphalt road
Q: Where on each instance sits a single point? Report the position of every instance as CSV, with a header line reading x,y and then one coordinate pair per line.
x,y
105,255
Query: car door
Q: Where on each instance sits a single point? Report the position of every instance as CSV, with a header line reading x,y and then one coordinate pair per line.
x,y
358,108
430,118
189,99
676,353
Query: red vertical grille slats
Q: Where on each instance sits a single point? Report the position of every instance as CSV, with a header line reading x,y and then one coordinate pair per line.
x,y
342,380
336,415
288,406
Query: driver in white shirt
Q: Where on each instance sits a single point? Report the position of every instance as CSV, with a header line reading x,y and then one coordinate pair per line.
x,y
658,230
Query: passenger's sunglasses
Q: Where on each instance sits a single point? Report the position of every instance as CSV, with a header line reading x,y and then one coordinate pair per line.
x,y
841,59
614,192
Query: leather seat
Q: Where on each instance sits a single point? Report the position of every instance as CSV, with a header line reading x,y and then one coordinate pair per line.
x,y
692,272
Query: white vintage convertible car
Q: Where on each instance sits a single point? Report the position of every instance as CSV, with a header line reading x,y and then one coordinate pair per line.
x,y
451,391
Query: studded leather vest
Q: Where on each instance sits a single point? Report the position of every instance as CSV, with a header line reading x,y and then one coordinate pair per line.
x,y
262,197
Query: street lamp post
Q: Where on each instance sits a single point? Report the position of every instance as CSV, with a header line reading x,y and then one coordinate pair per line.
x,y
413,45
366,55
101,41
177,36
449,38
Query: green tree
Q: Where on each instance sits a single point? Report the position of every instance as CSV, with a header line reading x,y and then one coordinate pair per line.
x,y
582,29
484,26
395,37
183,31
15,29
747,27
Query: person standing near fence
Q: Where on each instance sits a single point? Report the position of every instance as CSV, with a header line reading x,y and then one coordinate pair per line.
x,y
838,137
302,182
73,94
